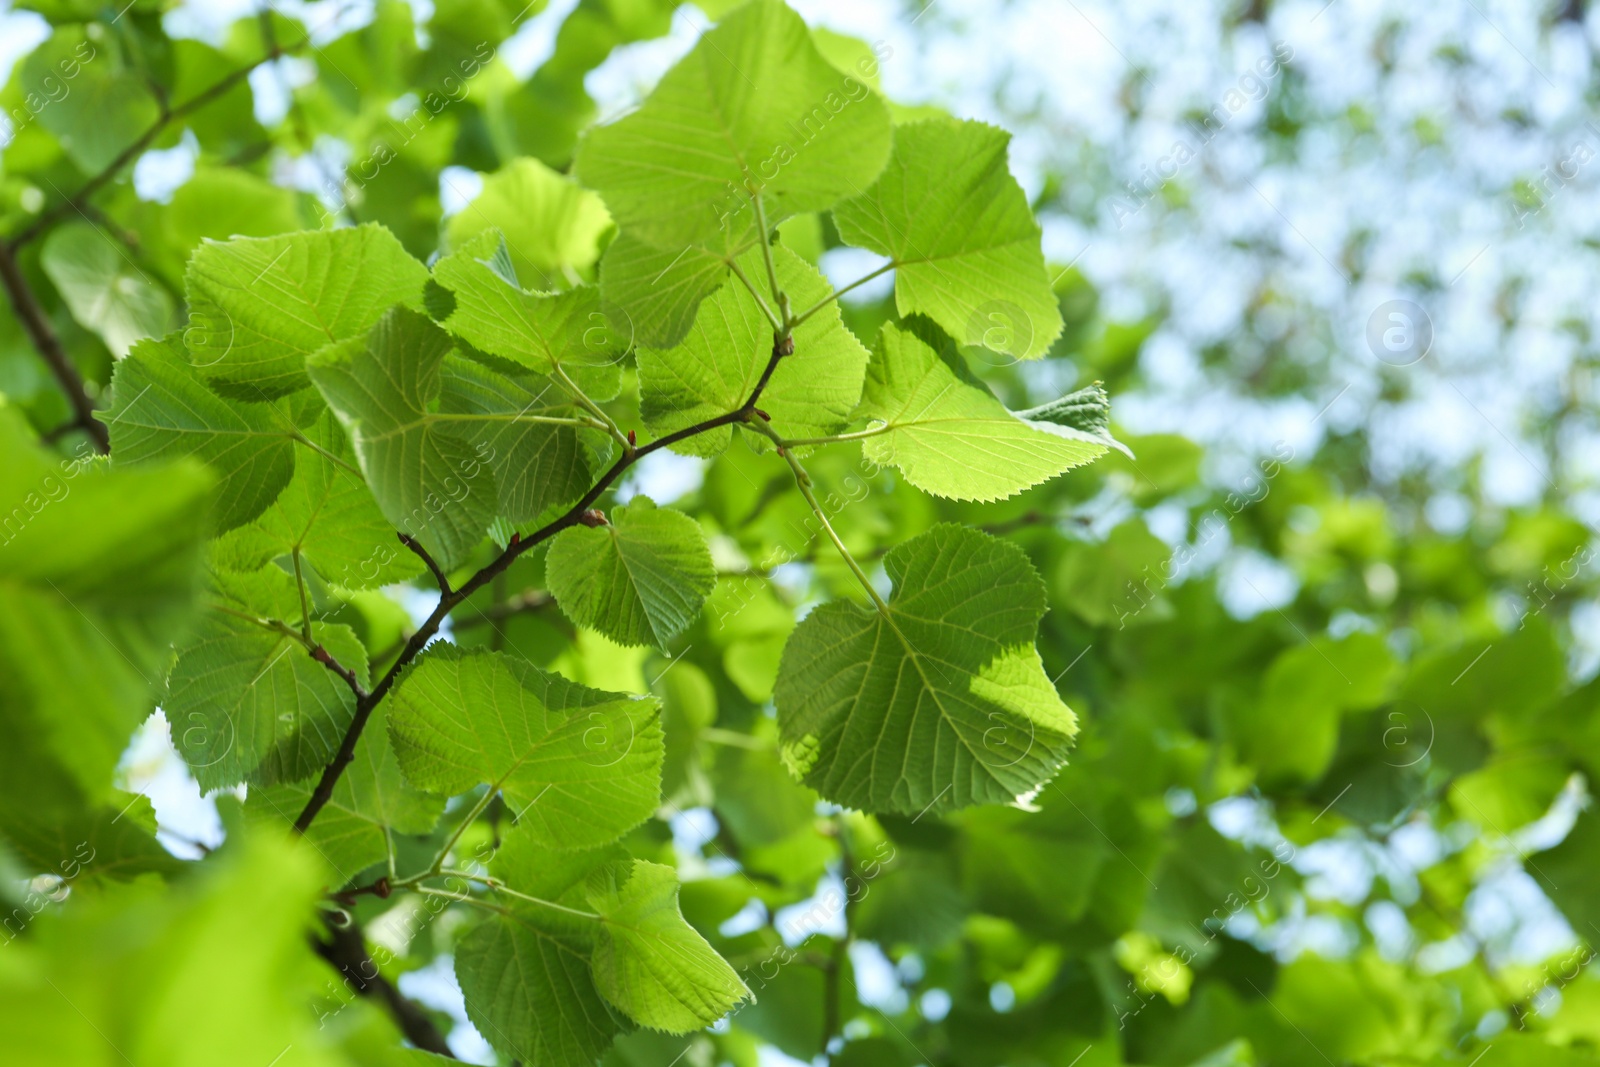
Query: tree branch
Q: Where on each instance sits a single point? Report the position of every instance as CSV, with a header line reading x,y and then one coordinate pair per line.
x,y
76,201
324,657
44,338
346,949
422,553
448,601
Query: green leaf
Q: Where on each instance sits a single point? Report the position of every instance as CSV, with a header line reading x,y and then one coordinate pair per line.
x,y
651,295
134,976
1292,731
83,93
103,288
578,766
1085,411
259,306
948,434
160,409
540,331
98,573
328,515
937,702
530,991
964,244
754,107
812,392
370,800
648,961
525,974
430,482
536,465
115,842
250,703
640,581
552,227
218,203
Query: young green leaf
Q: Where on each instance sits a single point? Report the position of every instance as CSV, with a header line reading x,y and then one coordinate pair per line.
x,y
250,703
552,227
492,312
1085,412
938,701
964,244
579,767
812,392
647,960
429,481
948,434
640,580
259,306
752,108
160,409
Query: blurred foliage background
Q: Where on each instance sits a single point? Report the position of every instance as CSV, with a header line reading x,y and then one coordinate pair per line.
x,y
1331,632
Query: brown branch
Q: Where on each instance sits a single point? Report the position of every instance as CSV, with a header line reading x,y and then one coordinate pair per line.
x,y
324,657
44,337
77,200
422,553
449,601
346,950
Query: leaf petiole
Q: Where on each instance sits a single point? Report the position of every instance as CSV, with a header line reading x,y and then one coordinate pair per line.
x,y
803,481
837,293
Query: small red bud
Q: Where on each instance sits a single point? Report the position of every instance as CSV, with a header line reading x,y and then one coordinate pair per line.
x,y
516,537
381,887
763,414
593,517
633,438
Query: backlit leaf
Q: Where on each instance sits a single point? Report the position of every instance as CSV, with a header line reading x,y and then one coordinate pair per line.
x,y
964,245
936,702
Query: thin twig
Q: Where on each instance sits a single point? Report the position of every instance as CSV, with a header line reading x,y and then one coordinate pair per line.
x,y
422,553
76,201
324,657
449,601
837,293
44,338
346,950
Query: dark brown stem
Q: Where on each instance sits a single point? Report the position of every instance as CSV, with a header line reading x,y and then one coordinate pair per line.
x,y
43,335
346,949
324,657
448,601
422,553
